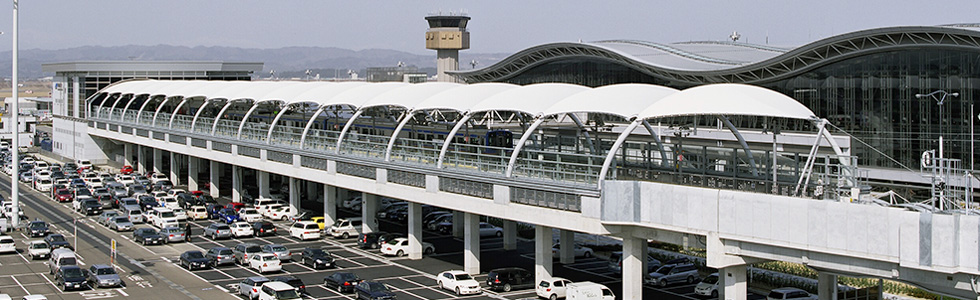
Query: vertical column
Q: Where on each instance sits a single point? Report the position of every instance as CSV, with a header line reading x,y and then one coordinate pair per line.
x,y
236,183
458,224
826,286
567,251
471,243
510,235
311,190
263,181
215,175
369,208
141,159
127,154
329,204
732,285
414,230
174,168
542,253
157,160
633,258
193,163
294,199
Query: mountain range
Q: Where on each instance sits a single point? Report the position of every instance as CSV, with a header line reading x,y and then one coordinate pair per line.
x,y
286,62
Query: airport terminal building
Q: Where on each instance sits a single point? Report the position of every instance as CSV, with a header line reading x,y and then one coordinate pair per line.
x,y
864,82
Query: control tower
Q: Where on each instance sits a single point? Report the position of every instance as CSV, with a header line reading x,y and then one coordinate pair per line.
x,y
447,35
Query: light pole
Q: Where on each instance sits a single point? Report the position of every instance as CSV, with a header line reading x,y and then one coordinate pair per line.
x,y
939,100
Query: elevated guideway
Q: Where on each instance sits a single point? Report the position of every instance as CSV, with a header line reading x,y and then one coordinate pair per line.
x,y
635,161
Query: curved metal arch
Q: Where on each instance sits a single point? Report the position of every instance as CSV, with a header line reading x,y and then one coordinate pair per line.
x,y
198,114
343,133
114,105
130,103
520,145
798,60
741,141
588,137
612,151
248,114
98,113
452,133
656,138
228,103
139,113
173,115
398,129
302,138
272,126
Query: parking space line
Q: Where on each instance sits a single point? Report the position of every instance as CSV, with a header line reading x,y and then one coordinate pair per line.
x,y
337,293
21,285
437,289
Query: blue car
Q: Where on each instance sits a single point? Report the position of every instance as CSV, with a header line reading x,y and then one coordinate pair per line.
x,y
229,215
373,291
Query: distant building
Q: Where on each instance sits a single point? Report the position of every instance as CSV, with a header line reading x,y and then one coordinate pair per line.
x,y
408,74
73,82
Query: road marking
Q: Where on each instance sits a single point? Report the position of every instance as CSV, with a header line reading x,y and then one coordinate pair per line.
x,y
122,292
221,288
21,285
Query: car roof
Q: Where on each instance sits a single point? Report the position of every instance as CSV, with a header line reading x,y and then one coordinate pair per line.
x,y
258,278
101,266
278,286
455,272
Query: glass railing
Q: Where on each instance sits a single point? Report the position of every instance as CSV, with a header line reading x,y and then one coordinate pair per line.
x,y
413,151
321,140
227,128
558,166
476,158
364,145
181,123
203,125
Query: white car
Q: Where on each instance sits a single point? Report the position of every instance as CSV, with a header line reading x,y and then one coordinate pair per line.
x,y
43,185
349,203
283,213
240,229
552,289
787,293
487,229
126,180
267,210
399,247
250,215
157,177
169,202
42,175
158,194
84,164
305,230
579,251
38,249
458,281
95,182
7,244
708,287
265,262
180,213
175,192
198,212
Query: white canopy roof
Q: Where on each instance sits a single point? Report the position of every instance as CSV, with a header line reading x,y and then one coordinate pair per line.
x,y
640,100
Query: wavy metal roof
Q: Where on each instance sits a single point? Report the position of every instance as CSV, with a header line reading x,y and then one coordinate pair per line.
x,y
696,63
642,101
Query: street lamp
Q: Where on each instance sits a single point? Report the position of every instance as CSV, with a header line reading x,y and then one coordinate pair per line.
x,y
939,100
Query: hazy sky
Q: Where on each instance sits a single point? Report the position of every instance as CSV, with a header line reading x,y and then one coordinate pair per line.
x,y
497,25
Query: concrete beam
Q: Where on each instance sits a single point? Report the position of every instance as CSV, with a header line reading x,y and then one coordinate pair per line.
x,y
414,230
329,204
634,257
543,268
567,251
510,235
471,243
369,209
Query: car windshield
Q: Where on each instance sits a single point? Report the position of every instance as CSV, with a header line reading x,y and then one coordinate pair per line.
x,y
195,254
775,295
149,231
463,277
73,272
105,271
318,252
347,276
229,212
56,238
253,249
278,248
64,192
39,245
36,225
378,288
664,269
711,279
222,227
122,219
287,294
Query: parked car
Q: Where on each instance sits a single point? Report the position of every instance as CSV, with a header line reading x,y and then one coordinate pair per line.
x,y
70,278
458,281
57,241
507,279
579,251
552,288
37,228
172,235
241,229
317,258
674,273
244,251
708,286
106,216
7,244
345,228
371,290
278,290
228,215
220,255
293,282
344,282
264,228
249,287
38,249
101,276
126,170
218,231
249,215
616,263
121,224
193,259
278,250
399,247
487,230
147,236
304,230
789,293
370,240
197,213
265,262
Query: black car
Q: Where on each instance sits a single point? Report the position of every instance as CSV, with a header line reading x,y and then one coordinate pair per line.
x,y
263,228
293,281
82,191
147,236
370,240
317,258
37,228
388,237
193,259
213,210
507,279
344,282
148,203
373,290
186,200
57,241
92,207
162,185
70,278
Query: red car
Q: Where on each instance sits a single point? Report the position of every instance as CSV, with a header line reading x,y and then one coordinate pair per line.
x,y
126,170
236,205
197,194
63,195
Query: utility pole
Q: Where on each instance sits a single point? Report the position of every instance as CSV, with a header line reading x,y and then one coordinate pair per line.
x,y
14,183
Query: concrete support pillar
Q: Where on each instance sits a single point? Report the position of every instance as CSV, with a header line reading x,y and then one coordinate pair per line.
x,y
458,224
510,235
414,230
732,285
567,251
311,191
140,159
471,243
369,209
215,177
193,165
127,154
634,258
294,198
236,183
542,253
157,160
262,179
329,204
826,286
174,169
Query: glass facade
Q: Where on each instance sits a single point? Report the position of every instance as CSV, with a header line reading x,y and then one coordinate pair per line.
x,y
870,96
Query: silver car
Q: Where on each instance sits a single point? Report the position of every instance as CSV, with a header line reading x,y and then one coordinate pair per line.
x,y
217,231
172,234
278,250
103,276
120,224
220,255
134,213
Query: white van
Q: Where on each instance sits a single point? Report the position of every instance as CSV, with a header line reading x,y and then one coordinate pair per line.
x,y
304,230
276,290
61,257
588,290
164,217
345,228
